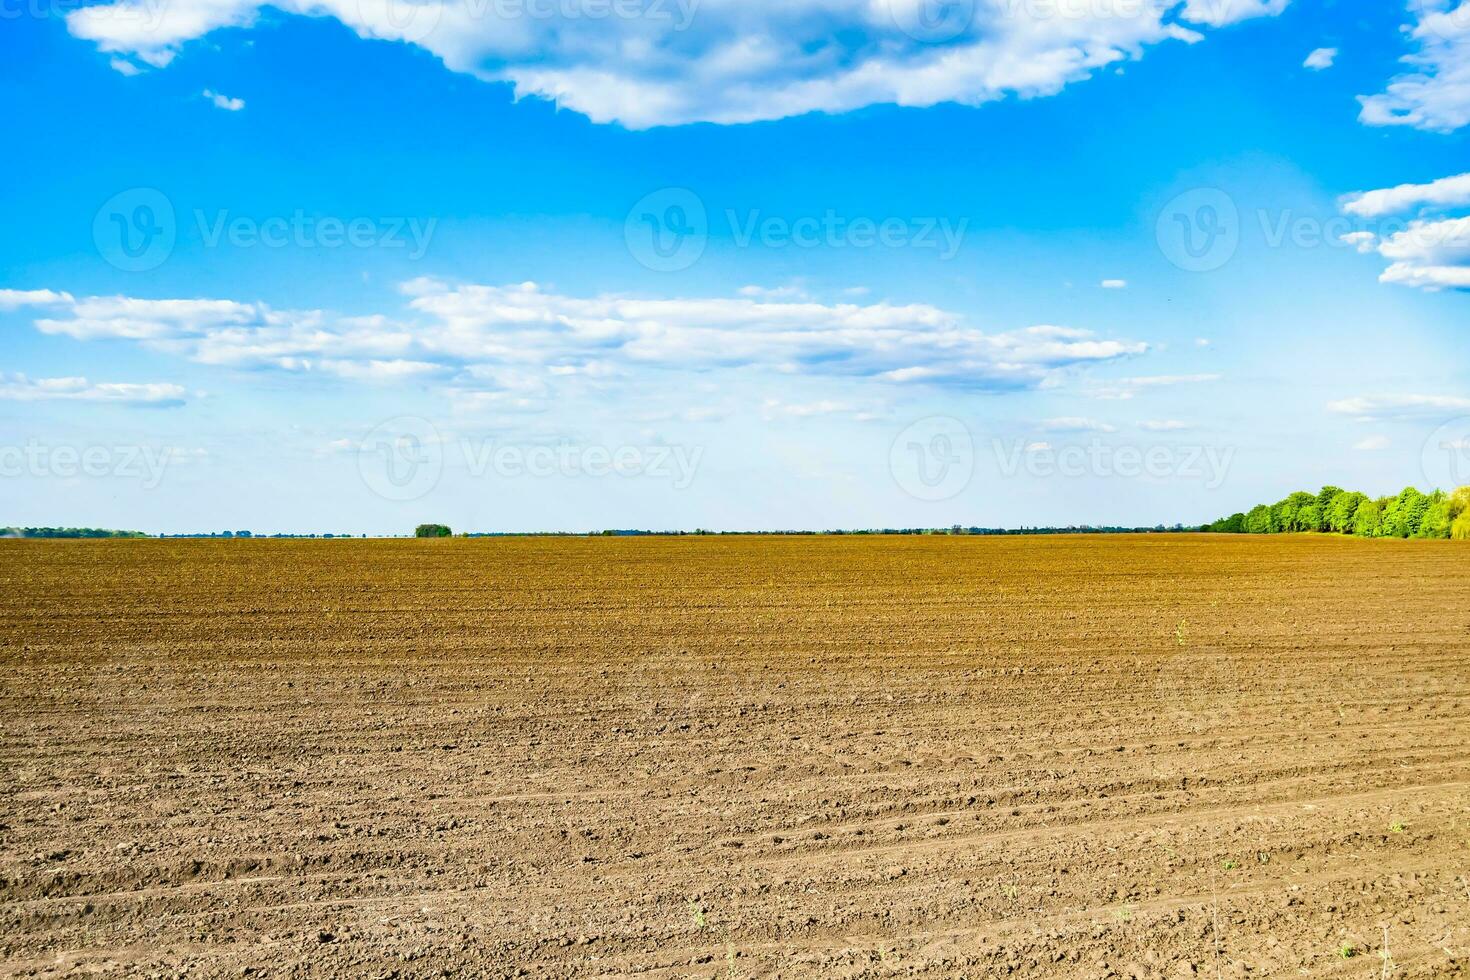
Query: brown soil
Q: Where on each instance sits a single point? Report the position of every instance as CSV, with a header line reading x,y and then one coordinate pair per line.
x,y
799,757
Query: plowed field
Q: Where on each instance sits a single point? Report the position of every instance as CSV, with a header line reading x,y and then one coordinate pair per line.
x,y
736,757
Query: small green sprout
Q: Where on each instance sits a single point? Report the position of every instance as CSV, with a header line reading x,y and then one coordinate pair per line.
x,y
1396,828
1347,951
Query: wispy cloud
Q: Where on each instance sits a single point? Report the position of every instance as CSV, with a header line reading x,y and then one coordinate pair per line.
x,y
473,337
1077,424
1378,408
1434,92
1127,388
224,102
1445,192
1321,59
18,387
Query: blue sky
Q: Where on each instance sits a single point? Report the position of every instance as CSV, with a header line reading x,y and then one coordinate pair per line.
x,y
995,263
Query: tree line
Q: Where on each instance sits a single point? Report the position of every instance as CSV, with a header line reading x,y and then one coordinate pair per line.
x,y
1410,514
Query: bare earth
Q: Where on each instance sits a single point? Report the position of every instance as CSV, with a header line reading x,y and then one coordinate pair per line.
x,y
798,757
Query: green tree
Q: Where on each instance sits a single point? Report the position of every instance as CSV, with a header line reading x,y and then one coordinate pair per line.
x,y
1341,511
1436,522
1234,524
1325,499
1368,519
1404,514
1309,518
1459,503
432,531
1258,521
1286,516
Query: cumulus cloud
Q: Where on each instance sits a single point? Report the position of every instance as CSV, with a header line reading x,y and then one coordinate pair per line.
x,y
670,62
1445,192
505,344
1219,13
1434,92
224,101
1321,59
1376,408
1430,253
18,387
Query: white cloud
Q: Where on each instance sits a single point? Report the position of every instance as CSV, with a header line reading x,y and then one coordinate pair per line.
x,y
775,408
14,299
1165,425
1321,59
125,68
1429,255
18,387
1388,407
223,101
790,291
672,62
1219,13
510,341
1115,284
1445,192
1372,444
1434,93
1072,424
1126,388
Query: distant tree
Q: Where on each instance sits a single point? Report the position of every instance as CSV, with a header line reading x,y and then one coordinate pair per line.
x,y
1309,518
1325,498
1404,513
1459,504
1341,511
432,531
1368,519
1234,524
1258,521
1436,521
1286,516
